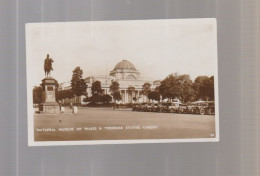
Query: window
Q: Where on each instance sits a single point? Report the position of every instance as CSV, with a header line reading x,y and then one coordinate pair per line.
x,y
131,77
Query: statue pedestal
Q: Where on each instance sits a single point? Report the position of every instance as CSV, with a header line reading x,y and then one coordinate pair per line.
x,y
49,104
49,108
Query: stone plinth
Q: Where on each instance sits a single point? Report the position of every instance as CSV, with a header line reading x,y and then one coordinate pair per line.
x,y
49,104
49,108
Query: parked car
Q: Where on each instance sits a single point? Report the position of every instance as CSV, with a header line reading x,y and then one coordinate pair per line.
x,y
182,109
143,106
154,107
193,108
210,109
202,107
172,107
148,107
162,107
136,107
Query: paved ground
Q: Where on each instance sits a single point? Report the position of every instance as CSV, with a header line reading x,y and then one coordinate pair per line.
x,y
107,124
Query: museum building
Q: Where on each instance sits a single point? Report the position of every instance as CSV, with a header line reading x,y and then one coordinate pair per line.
x,y
129,79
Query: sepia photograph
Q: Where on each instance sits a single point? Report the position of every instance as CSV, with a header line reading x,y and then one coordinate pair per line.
x,y
113,82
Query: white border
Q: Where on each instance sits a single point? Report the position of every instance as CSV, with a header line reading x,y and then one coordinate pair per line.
x,y
30,123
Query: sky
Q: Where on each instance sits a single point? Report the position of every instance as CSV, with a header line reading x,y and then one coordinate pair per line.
x,y
157,48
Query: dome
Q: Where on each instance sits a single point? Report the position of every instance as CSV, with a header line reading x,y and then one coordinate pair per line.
x,y
124,64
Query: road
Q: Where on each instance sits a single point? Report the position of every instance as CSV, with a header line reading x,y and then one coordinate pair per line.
x,y
109,124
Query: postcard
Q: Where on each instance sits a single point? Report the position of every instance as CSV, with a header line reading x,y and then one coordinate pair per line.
x,y
122,82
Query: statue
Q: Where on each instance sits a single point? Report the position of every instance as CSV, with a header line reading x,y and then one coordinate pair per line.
x,y
49,104
48,66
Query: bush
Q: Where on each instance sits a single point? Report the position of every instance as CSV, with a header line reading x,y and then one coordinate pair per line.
x,y
100,105
106,98
124,106
96,99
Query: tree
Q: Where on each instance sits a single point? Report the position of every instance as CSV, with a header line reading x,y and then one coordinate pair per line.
x,y
78,85
134,99
157,89
114,89
196,86
170,87
106,98
211,92
95,98
96,93
116,96
187,93
37,94
59,95
63,94
68,94
204,87
146,89
177,86
96,88
154,95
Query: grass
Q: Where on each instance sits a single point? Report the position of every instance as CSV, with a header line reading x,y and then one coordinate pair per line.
x,y
112,125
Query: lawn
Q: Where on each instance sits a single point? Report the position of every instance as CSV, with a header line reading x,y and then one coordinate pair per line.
x,y
109,124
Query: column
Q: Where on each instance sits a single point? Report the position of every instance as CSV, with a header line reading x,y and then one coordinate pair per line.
x,y
126,96
137,96
123,95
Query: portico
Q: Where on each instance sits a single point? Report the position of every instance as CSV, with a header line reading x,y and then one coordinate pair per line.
x,y
128,95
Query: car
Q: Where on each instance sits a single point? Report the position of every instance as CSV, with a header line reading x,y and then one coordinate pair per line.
x,y
192,108
148,107
154,107
162,107
143,106
210,108
182,109
172,107
135,107
202,107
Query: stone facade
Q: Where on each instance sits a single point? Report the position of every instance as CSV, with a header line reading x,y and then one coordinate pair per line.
x,y
127,76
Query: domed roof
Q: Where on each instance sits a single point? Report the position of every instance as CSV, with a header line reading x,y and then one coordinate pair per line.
x,y
124,64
